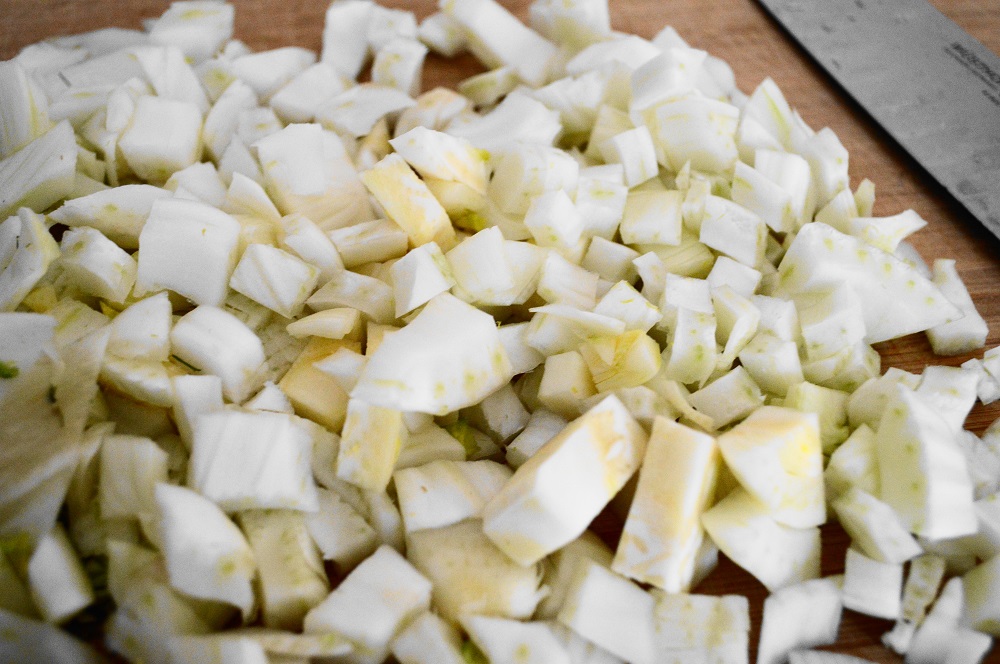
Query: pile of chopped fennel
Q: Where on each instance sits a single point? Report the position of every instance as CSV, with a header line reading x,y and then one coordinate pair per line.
x,y
297,367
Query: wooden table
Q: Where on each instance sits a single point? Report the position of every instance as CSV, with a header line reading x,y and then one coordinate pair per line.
x,y
743,34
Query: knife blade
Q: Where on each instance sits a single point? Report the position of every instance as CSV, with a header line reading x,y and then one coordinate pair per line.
x,y
932,86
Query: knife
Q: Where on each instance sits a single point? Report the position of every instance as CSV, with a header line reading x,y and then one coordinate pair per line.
x,y
932,86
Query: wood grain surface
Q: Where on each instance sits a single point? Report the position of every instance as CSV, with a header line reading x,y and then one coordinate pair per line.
x,y
743,34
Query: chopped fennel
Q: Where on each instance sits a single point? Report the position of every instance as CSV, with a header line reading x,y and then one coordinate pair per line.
x,y
426,338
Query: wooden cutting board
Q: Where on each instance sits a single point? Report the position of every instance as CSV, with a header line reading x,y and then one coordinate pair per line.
x,y
740,32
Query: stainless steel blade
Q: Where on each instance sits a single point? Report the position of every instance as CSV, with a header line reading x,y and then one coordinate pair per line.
x,y
930,84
